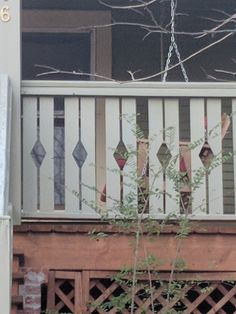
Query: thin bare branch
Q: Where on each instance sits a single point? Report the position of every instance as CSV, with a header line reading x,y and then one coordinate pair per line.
x,y
222,12
132,74
173,268
151,15
186,59
212,77
114,23
226,21
58,71
225,72
125,7
150,28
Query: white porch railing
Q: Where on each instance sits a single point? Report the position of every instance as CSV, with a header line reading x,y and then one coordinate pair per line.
x,y
71,129
5,220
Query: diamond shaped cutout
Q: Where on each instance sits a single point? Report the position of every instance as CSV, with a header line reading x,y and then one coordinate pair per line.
x,y
38,153
80,154
164,155
121,155
206,155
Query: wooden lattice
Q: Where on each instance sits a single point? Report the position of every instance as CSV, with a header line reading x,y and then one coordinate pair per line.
x,y
65,292
82,292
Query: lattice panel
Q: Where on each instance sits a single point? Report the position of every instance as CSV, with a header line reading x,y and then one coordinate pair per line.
x,y
80,293
195,298
65,292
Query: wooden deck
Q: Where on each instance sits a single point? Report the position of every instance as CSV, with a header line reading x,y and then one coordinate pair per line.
x,y
80,268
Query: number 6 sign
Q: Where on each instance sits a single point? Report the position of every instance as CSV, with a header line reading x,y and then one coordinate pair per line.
x,y
4,14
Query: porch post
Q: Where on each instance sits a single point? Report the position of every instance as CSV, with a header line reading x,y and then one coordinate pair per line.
x,y
5,220
5,264
10,64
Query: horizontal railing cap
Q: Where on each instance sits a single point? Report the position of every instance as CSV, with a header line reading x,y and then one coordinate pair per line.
x,y
129,89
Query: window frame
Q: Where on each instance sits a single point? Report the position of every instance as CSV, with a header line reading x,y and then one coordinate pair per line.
x,y
68,21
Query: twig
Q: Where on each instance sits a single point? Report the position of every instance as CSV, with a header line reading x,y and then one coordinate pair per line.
x,y
212,77
57,71
186,59
220,25
149,274
173,268
125,7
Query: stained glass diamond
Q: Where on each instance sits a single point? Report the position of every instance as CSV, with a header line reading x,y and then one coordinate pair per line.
x,y
164,155
38,153
121,155
80,154
206,155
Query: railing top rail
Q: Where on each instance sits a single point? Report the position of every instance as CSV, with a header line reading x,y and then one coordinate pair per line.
x,y
5,124
131,89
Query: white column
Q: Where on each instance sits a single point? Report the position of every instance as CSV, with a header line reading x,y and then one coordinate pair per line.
x,y
10,64
5,264
5,114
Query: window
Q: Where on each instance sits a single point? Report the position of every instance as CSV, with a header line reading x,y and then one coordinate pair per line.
x,y
42,52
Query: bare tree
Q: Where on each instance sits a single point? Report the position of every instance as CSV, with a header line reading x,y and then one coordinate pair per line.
x,y
184,32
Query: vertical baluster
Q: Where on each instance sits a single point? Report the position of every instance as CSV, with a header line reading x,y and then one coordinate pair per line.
x,y
113,187
87,131
215,179
30,197
197,118
172,142
155,124
47,167
130,141
71,140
